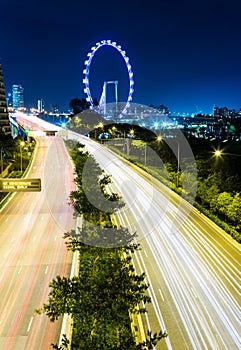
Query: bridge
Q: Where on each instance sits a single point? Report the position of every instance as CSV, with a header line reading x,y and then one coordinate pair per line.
x,y
30,125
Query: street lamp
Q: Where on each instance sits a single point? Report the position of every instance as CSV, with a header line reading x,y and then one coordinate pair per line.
x,y
132,132
220,153
145,153
22,143
160,138
1,160
178,161
98,126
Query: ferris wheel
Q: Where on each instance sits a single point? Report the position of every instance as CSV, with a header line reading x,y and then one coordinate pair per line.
x,y
86,71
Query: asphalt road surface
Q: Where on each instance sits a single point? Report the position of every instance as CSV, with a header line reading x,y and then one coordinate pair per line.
x,y
33,251
192,266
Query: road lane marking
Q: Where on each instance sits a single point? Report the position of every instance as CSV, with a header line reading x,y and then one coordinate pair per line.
x,y
46,270
34,238
2,317
6,220
55,237
193,291
160,292
20,269
30,324
170,252
7,252
145,253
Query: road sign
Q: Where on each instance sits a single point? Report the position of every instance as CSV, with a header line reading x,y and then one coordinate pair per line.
x,y
20,185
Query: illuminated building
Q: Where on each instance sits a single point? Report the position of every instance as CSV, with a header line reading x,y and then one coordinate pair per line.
x,y
221,112
5,127
18,99
40,105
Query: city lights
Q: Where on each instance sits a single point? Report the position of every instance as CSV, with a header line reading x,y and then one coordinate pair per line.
x,y
218,153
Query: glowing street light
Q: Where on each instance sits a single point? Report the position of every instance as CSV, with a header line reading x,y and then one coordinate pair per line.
x,y
156,125
220,153
132,132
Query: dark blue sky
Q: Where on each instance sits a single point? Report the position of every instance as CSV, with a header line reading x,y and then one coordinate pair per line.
x,y
184,54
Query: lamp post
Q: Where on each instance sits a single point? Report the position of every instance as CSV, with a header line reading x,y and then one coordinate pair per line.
x,y
145,153
128,141
1,160
178,161
22,143
100,126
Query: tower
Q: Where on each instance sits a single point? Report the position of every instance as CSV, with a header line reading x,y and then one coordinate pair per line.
x,y
18,100
40,105
5,127
102,102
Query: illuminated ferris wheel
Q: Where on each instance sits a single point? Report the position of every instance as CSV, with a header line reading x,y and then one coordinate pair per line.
x,y
86,71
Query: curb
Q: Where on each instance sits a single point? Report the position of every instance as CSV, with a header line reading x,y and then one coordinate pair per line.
x,y
67,326
137,327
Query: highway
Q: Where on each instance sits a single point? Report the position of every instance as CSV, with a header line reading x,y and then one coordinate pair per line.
x,y
192,266
33,251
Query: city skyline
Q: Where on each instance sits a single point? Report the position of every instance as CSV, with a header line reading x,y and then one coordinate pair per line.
x,y
185,56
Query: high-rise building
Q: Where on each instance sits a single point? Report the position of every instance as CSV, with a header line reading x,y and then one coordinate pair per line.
x,y
5,127
18,99
40,106
221,112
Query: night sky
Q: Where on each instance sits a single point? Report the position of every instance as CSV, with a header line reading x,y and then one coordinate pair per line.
x,y
184,54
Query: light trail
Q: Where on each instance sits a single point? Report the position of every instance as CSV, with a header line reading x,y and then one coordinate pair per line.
x,y
32,236
197,264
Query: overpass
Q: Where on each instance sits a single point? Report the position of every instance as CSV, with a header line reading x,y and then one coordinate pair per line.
x,y
31,125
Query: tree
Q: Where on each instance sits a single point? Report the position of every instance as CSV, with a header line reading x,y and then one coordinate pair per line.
x,y
234,210
107,289
207,194
189,182
6,146
99,297
221,202
78,105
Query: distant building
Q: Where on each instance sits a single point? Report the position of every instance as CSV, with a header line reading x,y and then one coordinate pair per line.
x,y
5,127
56,109
18,96
221,112
40,105
224,112
163,109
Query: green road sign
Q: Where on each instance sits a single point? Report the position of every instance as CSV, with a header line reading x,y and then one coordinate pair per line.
x,y
20,185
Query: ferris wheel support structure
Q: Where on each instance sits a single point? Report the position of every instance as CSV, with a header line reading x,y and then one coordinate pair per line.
x,y
102,101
